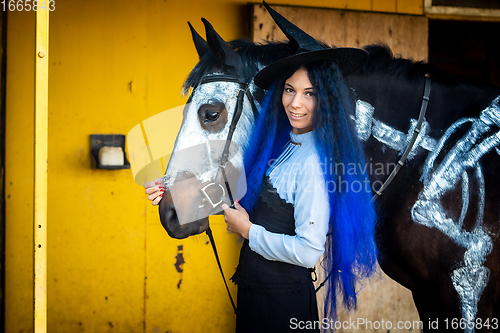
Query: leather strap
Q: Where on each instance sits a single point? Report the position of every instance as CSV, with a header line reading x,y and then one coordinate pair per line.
x,y
214,248
402,160
225,153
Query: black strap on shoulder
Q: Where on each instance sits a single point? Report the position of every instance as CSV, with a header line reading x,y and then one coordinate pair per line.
x,y
399,165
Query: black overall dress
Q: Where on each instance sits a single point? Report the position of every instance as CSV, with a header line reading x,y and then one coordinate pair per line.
x,y
273,296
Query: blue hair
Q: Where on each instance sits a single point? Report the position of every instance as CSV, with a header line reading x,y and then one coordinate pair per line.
x,y
269,136
350,251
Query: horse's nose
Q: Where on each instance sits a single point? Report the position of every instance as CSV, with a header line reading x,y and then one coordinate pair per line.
x,y
186,190
169,219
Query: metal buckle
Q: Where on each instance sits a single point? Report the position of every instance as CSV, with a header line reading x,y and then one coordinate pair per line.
x,y
207,196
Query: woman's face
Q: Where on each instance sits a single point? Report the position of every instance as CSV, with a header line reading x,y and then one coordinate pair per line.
x,y
299,101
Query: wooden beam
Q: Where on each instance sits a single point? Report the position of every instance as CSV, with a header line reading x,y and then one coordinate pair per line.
x,y
40,170
430,9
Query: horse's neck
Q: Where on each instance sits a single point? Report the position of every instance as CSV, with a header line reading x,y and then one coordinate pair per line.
x,y
458,101
387,110
396,100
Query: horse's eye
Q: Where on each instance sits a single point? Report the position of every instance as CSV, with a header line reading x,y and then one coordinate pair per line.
x,y
210,112
211,115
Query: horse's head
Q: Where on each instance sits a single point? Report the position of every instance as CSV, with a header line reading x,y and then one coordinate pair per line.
x,y
222,88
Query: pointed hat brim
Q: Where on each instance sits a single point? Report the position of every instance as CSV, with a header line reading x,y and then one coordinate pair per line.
x,y
348,60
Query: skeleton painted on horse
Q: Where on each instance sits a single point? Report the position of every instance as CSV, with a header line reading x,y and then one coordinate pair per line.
x,y
440,217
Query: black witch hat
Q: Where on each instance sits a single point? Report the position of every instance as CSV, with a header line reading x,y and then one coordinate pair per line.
x,y
308,50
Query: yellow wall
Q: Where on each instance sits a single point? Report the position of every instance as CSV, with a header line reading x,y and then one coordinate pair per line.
x,y
110,263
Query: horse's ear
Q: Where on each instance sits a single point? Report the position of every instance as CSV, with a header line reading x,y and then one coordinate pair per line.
x,y
200,44
220,48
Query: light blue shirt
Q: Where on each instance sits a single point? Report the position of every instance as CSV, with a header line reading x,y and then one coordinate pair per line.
x,y
297,176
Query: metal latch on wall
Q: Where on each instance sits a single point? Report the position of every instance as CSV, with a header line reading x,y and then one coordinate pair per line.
x,y
108,151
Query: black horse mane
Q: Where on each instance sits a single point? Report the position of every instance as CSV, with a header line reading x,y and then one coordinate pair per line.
x,y
381,60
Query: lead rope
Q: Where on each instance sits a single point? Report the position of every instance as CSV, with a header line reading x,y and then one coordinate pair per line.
x,y
211,237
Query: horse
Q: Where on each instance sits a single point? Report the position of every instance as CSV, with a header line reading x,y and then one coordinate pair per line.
x,y
439,218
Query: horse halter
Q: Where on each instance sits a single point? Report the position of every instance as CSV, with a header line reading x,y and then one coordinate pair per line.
x,y
243,90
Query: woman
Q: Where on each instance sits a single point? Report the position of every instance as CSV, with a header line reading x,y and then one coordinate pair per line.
x,y
299,193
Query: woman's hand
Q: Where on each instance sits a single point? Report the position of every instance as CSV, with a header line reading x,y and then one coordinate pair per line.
x,y
237,219
155,190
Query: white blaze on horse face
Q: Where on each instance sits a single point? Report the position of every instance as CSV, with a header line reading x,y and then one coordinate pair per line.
x,y
192,133
197,151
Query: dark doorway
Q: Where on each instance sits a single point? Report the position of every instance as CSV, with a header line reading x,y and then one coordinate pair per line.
x,y
466,48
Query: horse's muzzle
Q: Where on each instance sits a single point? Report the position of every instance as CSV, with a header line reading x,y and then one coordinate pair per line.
x,y
170,220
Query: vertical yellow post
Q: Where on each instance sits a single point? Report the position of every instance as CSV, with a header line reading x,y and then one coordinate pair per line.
x,y
40,183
